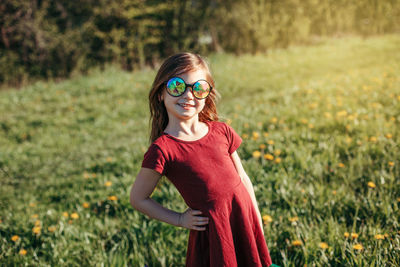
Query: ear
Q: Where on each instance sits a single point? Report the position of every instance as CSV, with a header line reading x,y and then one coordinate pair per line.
x,y
161,97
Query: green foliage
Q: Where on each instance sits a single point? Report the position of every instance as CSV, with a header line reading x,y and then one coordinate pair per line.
x,y
47,39
329,113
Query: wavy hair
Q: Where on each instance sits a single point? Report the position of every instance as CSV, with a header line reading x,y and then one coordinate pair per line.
x,y
173,66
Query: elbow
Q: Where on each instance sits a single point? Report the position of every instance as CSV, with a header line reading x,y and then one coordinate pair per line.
x,y
133,200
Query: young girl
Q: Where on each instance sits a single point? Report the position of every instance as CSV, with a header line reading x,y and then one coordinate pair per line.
x,y
197,153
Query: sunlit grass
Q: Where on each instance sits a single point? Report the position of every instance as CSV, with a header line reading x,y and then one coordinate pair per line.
x,y
320,127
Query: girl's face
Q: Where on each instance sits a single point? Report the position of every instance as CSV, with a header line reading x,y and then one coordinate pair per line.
x,y
186,106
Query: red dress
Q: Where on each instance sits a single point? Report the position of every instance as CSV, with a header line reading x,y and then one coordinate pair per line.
x,y
205,175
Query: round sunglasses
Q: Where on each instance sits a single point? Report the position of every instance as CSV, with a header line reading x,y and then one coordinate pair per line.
x,y
176,87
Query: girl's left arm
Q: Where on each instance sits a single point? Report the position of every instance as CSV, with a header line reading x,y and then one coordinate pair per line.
x,y
247,182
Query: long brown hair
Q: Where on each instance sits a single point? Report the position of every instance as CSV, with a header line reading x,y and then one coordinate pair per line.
x,y
174,66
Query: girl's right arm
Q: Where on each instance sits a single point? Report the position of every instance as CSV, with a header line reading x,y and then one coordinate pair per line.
x,y
144,185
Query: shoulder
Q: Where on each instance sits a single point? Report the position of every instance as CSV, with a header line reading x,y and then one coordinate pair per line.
x,y
222,126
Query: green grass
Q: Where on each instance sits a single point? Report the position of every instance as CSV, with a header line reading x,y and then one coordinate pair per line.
x,y
330,113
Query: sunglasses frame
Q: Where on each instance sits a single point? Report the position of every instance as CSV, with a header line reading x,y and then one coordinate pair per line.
x,y
186,87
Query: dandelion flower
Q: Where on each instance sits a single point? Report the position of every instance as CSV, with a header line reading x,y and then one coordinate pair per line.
x,y
389,136
267,219
373,139
34,216
245,136
265,134
36,230
371,184
262,146
398,199
323,245
304,121
74,216
65,214
51,228
112,198
85,205
246,125
278,160
274,120
37,223
334,192
108,183
296,243
270,142
255,135
391,163
86,175
94,175
379,237
22,252
346,234
354,235
32,205
294,219
277,152
109,159
386,235
229,121
268,157
358,247
256,154
15,238
341,165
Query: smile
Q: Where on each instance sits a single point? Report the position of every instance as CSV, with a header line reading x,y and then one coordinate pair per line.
x,y
185,105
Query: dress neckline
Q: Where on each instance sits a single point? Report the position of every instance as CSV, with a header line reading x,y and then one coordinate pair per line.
x,y
191,141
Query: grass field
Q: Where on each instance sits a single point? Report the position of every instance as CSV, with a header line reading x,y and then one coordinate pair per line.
x,y
321,132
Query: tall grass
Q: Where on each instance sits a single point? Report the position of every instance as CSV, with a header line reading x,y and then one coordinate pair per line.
x,y
320,127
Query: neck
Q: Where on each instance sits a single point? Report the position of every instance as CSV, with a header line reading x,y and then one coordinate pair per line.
x,y
183,127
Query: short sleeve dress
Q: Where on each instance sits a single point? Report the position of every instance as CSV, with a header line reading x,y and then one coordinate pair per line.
x,y
205,175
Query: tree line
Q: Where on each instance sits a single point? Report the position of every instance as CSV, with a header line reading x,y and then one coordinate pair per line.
x,y
54,38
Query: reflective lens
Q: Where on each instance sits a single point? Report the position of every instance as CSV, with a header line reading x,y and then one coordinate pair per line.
x,y
177,87
201,89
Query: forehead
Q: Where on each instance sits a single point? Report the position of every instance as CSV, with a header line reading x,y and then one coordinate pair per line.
x,y
193,76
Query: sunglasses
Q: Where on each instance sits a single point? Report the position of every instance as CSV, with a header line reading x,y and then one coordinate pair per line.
x,y
176,87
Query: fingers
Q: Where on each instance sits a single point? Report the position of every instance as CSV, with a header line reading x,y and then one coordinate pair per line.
x,y
198,221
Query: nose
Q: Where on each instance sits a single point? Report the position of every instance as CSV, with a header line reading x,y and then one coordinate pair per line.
x,y
188,93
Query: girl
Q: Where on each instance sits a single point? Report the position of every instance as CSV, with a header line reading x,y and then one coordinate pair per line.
x,y
197,153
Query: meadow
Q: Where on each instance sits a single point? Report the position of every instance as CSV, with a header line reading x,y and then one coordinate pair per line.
x,y
321,131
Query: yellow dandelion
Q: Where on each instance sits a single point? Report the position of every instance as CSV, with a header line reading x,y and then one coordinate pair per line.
x,y
259,124
274,120
348,139
323,245
386,235
256,154
267,219
32,205
311,126
327,115
358,247
304,121
255,135
15,238
296,243
391,163
86,175
278,160
379,237
246,125
109,159
74,216
108,183
373,139
94,175
341,113
22,252
245,136
268,157
277,152
265,134
346,234
334,192
262,146
70,222
37,223
85,205
34,216
112,198
294,219
371,184
354,235
65,214
229,121
270,142
389,136
51,228
341,165
36,230
398,199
